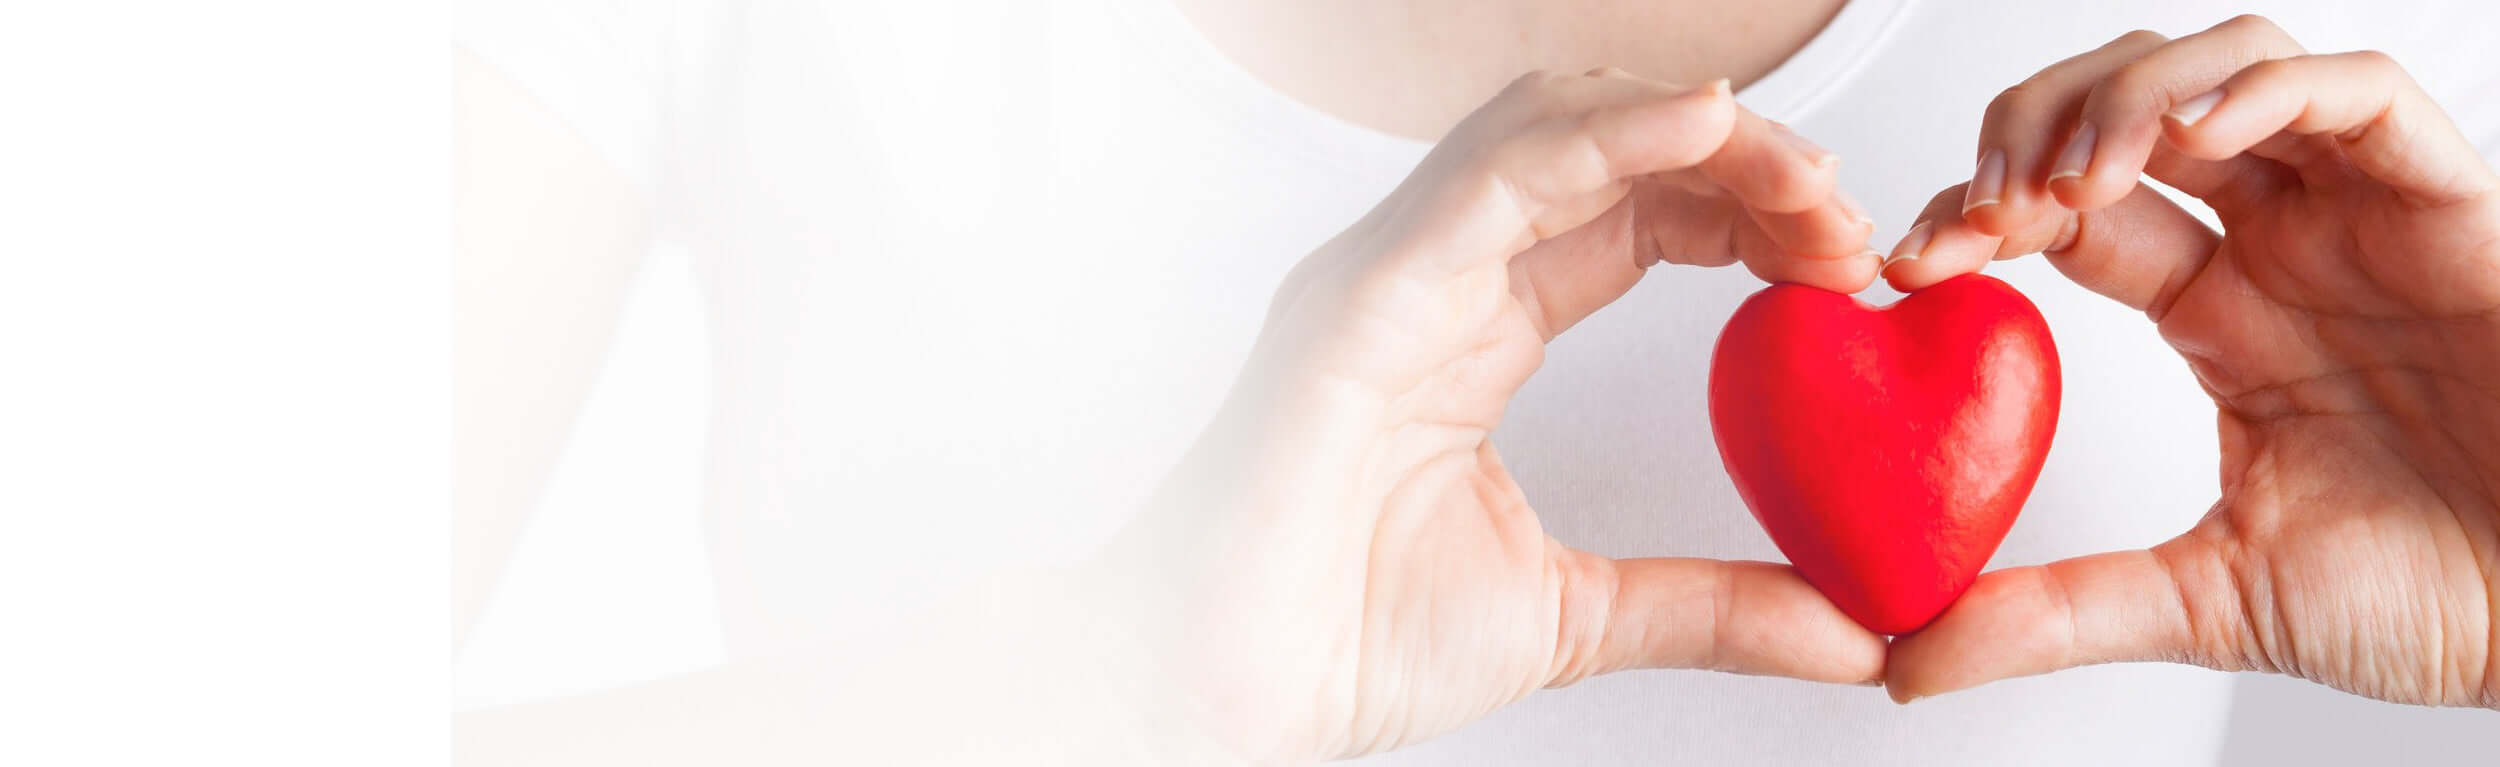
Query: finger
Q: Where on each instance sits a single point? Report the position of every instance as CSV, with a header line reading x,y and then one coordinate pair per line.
x,y
1826,245
1743,617
2019,134
1942,244
1789,187
1844,264
2142,251
1789,184
2362,103
1564,281
1770,167
1798,226
2178,602
2121,117
1557,155
1688,217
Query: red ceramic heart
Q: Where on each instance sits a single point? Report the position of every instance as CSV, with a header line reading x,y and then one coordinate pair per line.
x,y
1886,450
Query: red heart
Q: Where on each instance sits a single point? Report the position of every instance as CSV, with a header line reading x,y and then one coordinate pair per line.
x,y
1886,450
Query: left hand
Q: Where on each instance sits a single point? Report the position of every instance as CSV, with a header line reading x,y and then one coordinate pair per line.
x,y
1344,563
2346,323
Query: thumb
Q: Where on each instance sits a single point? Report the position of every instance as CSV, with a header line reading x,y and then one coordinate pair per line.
x,y
1744,617
2176,602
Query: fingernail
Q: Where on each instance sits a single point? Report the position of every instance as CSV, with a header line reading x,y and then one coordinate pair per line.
x,y
1871,683
1913,246
2077,156
2192,110
1815,154
1850,205
1987,183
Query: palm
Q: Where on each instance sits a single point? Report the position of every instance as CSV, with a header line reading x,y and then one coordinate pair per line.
x,y
1467,604
1462,590
2337,330
1350,566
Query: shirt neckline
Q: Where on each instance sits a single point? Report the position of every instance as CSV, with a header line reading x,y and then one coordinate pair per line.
x,y
1788,93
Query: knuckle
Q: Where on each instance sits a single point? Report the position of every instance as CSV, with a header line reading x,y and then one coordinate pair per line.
x,y
1537,92
2267,72
2377,60
2138,37
2135,86
2134,77
2250,22
1531,82
2024,97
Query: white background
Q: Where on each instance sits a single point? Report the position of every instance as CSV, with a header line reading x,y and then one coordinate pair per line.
x,y
224,351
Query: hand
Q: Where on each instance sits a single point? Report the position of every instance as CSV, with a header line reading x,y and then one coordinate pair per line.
x,y
1353,568
2346,323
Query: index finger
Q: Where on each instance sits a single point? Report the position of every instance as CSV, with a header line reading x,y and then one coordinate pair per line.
x,y
1548,156
2374,112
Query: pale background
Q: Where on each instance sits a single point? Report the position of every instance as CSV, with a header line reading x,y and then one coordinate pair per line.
x,y
224,397
610,586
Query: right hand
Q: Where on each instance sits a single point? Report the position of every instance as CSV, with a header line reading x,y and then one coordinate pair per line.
x,y
2346,323
1350,566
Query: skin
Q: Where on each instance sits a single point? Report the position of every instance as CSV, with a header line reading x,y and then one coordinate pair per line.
x,y
567,239
2346,322
1353,568
1342,566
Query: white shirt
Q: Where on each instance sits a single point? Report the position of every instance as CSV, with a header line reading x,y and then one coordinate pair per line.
x,y
978,272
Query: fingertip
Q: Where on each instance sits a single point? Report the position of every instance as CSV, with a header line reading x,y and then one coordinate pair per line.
x,y
1840,275
1715,95
2006,625
1862,271
2193,142
1829,232
1911,248
1907,670
1803,635
2070,191
1939,252
1989,216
